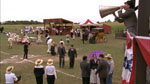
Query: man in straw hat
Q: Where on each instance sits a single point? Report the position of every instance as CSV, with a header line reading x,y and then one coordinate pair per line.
x,y
50,72
9,76
39,71
110,68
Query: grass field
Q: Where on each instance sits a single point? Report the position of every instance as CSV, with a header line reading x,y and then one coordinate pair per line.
x,y
25,69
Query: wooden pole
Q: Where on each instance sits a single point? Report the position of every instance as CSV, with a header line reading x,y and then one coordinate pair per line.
x,y
142,30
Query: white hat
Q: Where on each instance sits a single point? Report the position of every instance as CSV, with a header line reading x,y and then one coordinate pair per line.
x,y
9,69
38,61
108,56
49,62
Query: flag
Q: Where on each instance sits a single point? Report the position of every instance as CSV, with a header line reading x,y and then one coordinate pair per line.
x,y
128,64
128,73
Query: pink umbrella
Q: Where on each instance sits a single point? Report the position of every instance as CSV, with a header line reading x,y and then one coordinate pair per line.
x,y
97,52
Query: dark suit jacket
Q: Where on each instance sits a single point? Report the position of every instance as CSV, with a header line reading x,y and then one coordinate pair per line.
x,y
85,68
38,72
61,51
102,69
25,47
93,64
72,53
129,19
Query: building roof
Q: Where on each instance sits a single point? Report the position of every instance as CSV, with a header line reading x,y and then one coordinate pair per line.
x,y
57,20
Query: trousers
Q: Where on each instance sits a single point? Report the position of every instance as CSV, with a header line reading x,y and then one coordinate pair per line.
x,y
61,61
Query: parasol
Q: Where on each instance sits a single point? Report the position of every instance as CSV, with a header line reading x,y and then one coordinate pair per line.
x,y
97,52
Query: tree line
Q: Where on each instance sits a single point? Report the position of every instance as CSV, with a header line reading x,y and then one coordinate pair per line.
x,y
21,22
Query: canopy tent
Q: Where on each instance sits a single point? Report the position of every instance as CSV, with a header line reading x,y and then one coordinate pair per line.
x,y
93,24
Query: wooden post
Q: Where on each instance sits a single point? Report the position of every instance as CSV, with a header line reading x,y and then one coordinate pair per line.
x,y
142,30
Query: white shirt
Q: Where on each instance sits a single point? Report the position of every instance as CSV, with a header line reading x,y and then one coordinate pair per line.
x,y
50,70
10,78
49,41
40,66
9,39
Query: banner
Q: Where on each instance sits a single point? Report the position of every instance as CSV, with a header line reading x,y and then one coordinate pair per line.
x,y
128,73
144,45
129,61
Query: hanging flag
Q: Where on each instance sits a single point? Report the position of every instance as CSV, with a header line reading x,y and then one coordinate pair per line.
x,y
128,73
128,63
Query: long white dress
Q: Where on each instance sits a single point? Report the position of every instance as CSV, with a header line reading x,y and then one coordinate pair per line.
x,y
94,78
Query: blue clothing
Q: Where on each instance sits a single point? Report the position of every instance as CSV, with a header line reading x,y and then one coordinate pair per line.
x,y
109,77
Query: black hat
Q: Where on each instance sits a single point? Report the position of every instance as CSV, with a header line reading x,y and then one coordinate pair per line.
x,y
101,55
84,58
130,3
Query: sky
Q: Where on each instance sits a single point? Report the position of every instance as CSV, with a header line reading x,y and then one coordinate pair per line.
x,y
74,10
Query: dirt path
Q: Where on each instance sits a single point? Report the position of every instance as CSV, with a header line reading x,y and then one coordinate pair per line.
x,y
32,58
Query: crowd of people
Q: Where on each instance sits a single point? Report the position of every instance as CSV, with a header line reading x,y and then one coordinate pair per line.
x,y
98,70
95,72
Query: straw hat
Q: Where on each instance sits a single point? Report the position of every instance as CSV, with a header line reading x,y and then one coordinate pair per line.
x,y
54,43
49,62
108,56
38,61
9,69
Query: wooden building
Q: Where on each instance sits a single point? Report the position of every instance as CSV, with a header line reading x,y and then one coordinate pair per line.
x,y
58,26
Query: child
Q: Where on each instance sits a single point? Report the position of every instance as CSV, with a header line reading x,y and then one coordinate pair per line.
x,y
53,52
67,39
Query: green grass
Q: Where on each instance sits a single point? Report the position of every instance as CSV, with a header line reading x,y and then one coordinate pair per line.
x,y
113,46
116,27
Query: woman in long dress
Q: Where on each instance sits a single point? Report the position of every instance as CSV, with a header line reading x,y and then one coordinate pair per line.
x,y
53,52
93,66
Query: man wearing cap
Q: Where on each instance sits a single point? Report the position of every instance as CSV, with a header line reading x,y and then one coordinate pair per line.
x,y
9,76
39,71
110,68
128,17
61,52
102,69
72,53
